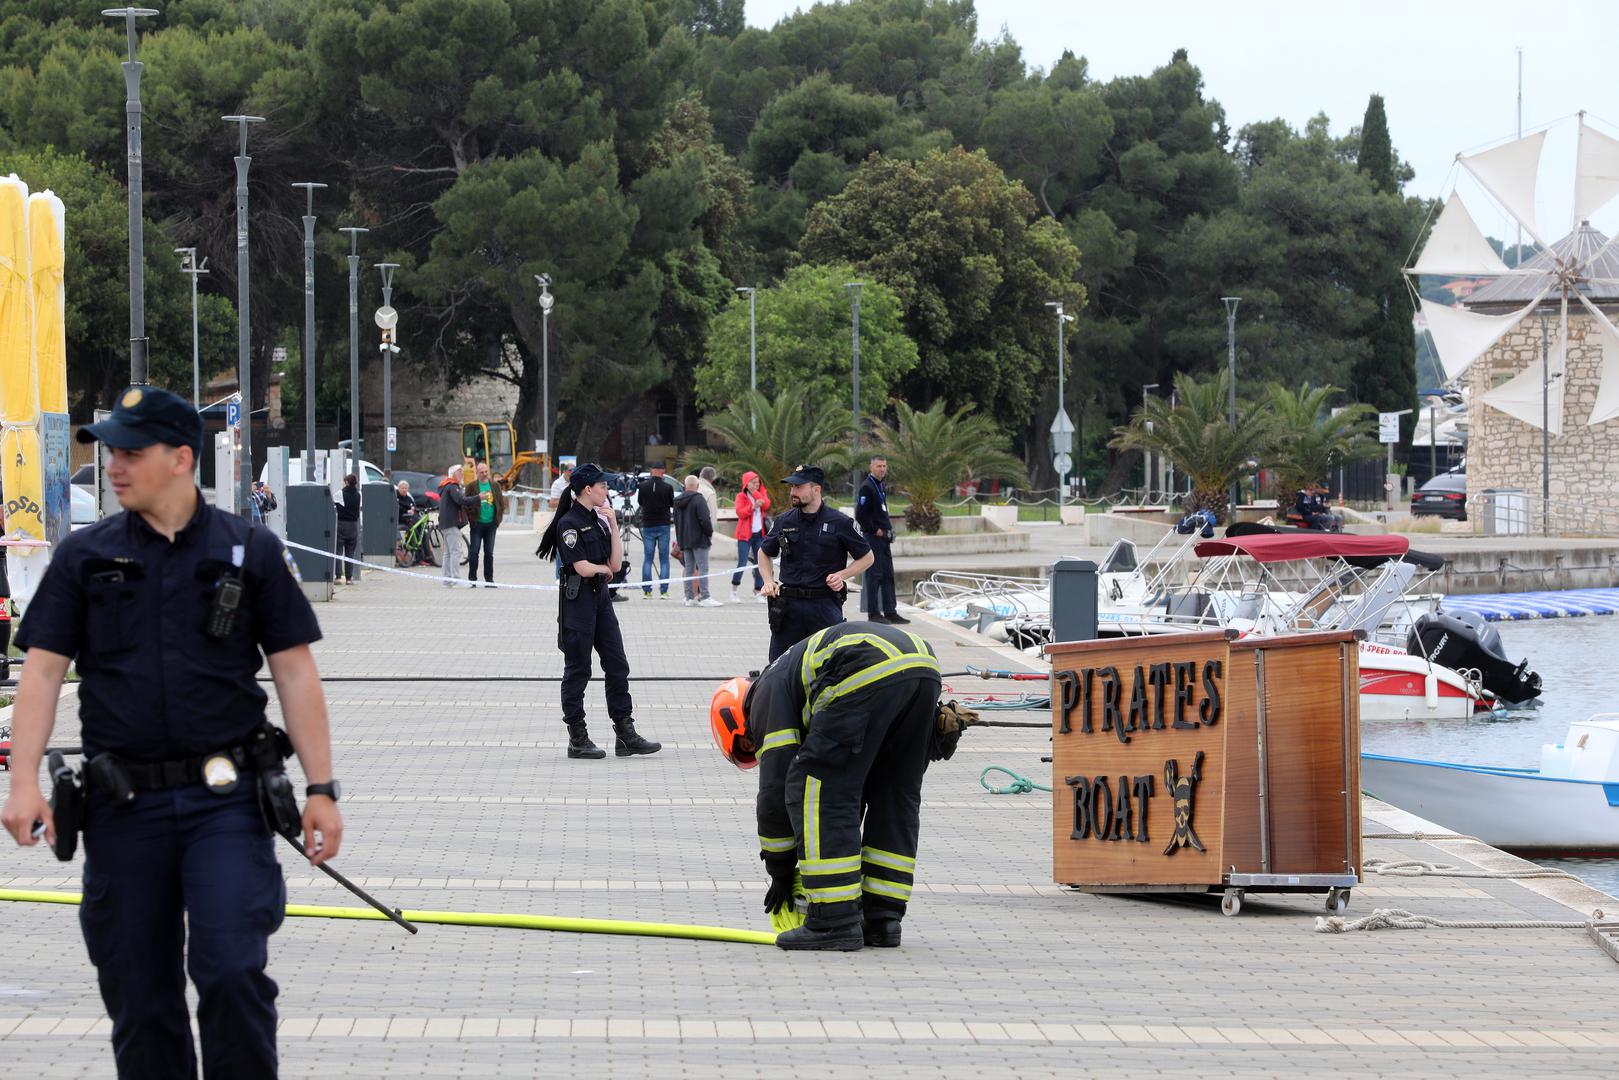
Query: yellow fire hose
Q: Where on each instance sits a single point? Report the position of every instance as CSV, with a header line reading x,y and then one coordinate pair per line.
x,y
559,923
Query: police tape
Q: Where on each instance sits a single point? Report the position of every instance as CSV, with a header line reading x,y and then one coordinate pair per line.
x,y
440,579
500,920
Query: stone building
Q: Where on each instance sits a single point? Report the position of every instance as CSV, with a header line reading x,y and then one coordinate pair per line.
x,y
428,415
1505,441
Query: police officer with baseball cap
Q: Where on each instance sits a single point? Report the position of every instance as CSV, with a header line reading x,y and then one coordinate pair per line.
x,y
584,538
815,543
168,609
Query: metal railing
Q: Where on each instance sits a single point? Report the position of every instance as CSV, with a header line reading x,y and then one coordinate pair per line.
x,y
1509,512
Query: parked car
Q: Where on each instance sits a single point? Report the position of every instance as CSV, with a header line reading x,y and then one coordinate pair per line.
x,y
84,476
83,508
423,486
1443,496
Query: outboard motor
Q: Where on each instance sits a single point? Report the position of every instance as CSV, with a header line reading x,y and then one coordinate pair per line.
x,y
1463,641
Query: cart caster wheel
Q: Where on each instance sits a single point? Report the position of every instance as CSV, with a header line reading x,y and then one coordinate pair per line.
x,y
1337,901
1231,902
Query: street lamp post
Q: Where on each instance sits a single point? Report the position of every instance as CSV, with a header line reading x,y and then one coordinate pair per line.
x,y
244,326
1545,427
387,319
1062,428
1146,458
309,327
190,266
546,302
1231,303
137,231
354,343
753,344
854,294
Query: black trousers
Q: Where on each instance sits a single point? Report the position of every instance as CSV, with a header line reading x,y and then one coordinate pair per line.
x,y
880,598
854,793
803,618
348,541
483,535
584,624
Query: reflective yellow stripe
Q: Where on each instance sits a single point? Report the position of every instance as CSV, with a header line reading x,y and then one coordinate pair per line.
x,y
850,865
778,843
863,679
778,739
812,660
879,857
886,888
833,896
815,658
812,818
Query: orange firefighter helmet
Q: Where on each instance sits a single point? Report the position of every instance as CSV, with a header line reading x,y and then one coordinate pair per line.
x,y
729,725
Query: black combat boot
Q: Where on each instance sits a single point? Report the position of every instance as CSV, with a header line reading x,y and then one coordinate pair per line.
x,y
629,743
881,931
579,744
845,938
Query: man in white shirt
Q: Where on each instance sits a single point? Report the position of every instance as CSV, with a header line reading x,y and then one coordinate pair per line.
x,y
560,484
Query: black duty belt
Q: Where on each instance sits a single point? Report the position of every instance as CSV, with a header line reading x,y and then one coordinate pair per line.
x,y
810,592
157,775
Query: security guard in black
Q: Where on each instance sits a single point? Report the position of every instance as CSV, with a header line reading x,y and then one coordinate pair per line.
x,y
182,872
585,539
815,543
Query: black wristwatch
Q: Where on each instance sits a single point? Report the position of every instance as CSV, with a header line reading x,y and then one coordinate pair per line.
x,y
332,790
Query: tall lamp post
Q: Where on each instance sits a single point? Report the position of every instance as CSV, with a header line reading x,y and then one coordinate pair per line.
x,y
753,343
1146,458
309,327
244,325
137,231
354,232
1545,427
854,288
387,319
190,266
1231,303
546,302
1062,428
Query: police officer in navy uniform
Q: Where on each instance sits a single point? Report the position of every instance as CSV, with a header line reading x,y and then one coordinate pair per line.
x,y
584,534
815,543
871,514
180,874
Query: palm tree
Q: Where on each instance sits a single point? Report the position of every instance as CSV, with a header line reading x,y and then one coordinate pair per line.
x,y
1197,435
930,452
772,438
1310,440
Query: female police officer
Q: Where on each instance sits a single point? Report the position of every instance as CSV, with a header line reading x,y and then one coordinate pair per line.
x,y
166,608
585,534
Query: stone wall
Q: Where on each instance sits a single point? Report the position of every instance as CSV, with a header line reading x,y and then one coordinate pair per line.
x,y
428,416
1505,452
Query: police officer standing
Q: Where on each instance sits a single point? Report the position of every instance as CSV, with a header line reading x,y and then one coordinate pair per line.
x,y
584,536
166,608
871,514
814,542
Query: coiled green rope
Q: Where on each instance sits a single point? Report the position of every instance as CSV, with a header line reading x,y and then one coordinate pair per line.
x,y
1020,785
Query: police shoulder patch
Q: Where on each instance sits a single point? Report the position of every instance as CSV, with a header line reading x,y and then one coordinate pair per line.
x,y
292,565
570,537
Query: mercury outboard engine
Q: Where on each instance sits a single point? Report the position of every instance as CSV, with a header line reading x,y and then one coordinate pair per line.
x,y
1463,641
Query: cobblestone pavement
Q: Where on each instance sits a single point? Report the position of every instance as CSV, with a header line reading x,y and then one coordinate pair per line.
x,y
458,797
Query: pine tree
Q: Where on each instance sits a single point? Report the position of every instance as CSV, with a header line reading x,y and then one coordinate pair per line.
x,y
1387,377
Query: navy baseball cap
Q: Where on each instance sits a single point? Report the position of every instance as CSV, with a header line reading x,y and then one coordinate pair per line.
x,y
145,415
585,475
806,474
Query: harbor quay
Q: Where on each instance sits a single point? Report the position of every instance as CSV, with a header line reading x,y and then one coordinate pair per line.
x,y
458,797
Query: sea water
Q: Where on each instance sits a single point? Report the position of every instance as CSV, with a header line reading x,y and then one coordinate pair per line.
x,y
1578,661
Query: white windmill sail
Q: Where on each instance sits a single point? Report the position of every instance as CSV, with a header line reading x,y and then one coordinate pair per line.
x,y
1521,395
1461,336
1456,246
1596,180
1509,173
1607,339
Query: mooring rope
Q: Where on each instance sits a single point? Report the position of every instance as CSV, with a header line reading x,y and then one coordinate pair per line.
x,y
1422,868
1400,919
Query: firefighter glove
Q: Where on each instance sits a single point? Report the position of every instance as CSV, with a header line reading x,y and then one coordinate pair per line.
x,y
952,720
783,873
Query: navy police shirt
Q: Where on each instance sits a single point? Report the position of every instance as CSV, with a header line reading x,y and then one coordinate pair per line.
x,y
131,609
812,546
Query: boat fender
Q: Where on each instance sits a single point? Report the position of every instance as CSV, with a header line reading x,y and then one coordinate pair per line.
x,y
1430,690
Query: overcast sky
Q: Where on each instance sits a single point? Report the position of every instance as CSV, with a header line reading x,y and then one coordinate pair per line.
x,y
1447,71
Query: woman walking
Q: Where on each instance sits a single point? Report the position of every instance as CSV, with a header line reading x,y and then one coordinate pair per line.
x,y
348,526
752,508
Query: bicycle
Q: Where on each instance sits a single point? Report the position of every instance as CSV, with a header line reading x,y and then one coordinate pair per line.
x,y
421,536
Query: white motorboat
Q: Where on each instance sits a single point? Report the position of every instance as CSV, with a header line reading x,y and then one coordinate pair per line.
x,y
1570,804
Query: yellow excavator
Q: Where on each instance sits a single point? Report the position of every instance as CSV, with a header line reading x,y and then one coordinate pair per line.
x,y
495,442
